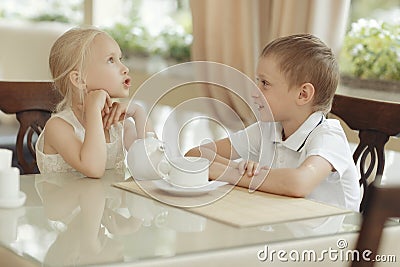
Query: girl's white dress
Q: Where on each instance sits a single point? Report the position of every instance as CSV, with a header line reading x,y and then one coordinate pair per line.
x,y
48,163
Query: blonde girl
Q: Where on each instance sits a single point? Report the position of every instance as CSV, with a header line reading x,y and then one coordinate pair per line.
x,y
85,134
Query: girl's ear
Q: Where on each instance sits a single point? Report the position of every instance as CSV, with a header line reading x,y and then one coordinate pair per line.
x,y
76,79
306,94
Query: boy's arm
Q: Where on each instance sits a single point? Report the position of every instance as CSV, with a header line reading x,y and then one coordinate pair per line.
x,y
221,151
294,182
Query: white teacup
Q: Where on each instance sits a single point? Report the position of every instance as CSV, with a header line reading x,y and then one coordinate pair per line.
x,y
186,171
5,158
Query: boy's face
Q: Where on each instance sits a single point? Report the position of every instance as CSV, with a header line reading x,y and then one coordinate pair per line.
x,y
105,69
273,88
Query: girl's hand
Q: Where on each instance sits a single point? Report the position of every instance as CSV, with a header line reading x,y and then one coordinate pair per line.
x,y
252,168
117,113
99,100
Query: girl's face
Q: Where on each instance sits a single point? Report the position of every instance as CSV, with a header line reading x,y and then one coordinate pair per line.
x,y
105,69
273,94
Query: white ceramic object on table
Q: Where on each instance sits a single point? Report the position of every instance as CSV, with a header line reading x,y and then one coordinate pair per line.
x,y
5,158
187,191
10,194
144,157
147,161
185,171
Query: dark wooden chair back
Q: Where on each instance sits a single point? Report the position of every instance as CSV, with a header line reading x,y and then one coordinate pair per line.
x,y
381,204
32,102
375,122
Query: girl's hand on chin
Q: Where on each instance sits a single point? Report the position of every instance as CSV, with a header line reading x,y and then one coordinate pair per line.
x,y
116,113
119,111
99,99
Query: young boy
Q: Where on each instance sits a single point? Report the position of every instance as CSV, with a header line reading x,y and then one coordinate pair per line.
x,y
309,155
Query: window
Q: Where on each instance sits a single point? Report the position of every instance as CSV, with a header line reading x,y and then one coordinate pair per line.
x,y
384,10
141,27
68,11
371,48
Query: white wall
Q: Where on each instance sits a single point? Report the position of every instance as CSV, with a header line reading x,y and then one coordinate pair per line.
x,y
25,49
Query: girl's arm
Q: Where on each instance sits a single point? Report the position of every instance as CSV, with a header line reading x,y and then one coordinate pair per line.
x,y
141,125
90,156
294,182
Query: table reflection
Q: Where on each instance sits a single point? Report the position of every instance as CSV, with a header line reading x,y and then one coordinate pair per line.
x,y
72,220
83,213
8,224
310,227
153,214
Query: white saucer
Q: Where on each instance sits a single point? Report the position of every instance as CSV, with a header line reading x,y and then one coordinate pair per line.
x,y
146,179
187,191
13,203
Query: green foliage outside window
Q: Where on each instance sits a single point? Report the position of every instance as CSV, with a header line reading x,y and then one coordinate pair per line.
x,y
52,18
172,42
371,50
134,39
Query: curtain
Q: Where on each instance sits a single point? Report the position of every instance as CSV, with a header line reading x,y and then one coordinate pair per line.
x,y
225,32
233,32
323,18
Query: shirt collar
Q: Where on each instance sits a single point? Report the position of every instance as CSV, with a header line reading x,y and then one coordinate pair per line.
x,y
297,139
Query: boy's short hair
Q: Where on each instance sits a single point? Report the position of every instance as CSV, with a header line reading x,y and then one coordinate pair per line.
x,y
305,58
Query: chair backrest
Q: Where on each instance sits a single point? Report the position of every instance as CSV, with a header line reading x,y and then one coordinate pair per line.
x,y
375,122
381,204
32,102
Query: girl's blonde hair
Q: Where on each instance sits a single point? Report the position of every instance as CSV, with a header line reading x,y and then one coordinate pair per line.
x,y
305,58
69,53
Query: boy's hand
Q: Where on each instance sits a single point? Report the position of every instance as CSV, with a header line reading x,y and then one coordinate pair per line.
x,y
252,168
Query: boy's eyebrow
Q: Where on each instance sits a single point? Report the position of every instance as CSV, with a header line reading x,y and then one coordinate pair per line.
x,y
259,75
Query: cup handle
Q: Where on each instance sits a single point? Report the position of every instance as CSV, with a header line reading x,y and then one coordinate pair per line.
x,y
163,168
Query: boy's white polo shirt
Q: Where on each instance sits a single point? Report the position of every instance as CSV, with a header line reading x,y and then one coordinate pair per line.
x,y
262,142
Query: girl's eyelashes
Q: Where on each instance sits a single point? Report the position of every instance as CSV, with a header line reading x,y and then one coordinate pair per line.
x,y
110,60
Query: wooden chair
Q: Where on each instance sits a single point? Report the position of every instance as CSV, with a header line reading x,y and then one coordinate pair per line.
x,y
375,121
381,204
32,102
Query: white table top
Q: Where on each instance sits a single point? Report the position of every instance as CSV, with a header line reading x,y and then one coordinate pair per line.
x,y
68,220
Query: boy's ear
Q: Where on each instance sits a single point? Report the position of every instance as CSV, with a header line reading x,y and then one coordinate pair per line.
x,y
76,79
306,93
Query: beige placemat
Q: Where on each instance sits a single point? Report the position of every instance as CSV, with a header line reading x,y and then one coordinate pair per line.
x,y
236,206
